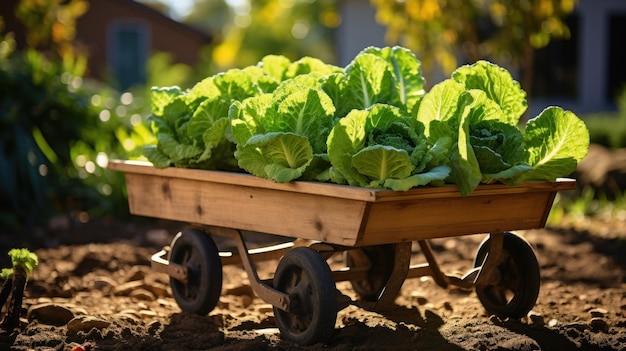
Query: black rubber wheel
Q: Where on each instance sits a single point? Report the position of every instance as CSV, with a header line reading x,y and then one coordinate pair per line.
x,y
196,251
517,287
305,276
382,258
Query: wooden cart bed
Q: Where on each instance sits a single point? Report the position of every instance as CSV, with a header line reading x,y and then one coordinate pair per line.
x,y
331,213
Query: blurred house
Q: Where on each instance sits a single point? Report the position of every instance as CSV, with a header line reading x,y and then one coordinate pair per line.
x,y
119,36
583,74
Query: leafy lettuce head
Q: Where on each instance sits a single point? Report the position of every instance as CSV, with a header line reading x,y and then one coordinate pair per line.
x,y
278,135
190,133
390,75
480,108
369,147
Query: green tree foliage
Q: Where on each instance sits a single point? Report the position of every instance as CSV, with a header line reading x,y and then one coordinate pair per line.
x,y
507,31
249,30
58,130
56,136
51,24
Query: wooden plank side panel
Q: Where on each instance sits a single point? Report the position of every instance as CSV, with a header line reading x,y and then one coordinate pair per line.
x,y
298,215
429,192
441,217
334,190
223,177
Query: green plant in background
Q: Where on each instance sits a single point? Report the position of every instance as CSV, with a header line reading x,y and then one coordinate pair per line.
x,y
56,136
609,128
250,30
23,263
51,24
586,203
40,112
58,130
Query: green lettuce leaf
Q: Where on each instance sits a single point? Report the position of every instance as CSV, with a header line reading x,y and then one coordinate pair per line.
x,y
346,138
379,162
178,152
278,156
557,140
434,175
368,81
158,158
465,170
368,147
247,118
275,66
307,112
499,86
308,65
440,105
407,74
497,145
295,110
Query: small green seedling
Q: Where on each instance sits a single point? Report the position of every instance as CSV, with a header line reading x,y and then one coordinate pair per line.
x,y
15,278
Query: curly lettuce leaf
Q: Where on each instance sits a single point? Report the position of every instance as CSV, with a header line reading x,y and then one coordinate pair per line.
x,y
434,175
307,112
439,106
157,157
278,156
368,147
407,74
367,81
275,66
205,116
296,110
499,86
179,153
307,65
497,145
247,117
379,162
557,140
164,102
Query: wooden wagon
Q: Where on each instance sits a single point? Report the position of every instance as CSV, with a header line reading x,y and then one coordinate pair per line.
x,y
374,229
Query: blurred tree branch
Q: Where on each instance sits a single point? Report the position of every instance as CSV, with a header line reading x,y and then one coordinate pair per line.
x,y
507,31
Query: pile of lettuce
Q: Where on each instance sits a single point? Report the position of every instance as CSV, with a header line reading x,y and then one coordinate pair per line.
x,y
369,124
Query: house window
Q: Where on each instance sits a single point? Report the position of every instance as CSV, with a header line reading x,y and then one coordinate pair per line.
x,y
555,73
128,52
616,69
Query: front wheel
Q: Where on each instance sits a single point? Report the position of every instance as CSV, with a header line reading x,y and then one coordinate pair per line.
x,y
304,275
514,293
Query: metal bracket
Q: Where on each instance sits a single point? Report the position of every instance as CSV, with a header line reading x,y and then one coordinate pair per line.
x,y
159,263
398,275
263,290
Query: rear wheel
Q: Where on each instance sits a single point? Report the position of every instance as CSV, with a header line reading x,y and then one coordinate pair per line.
x,y
196,251
381,259
515,290
304,275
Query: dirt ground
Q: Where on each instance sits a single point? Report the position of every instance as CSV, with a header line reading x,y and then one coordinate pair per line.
x,y
99,293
